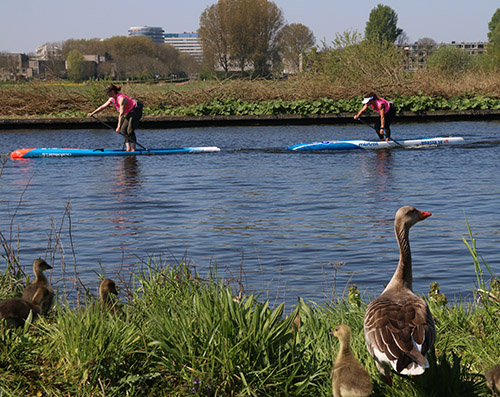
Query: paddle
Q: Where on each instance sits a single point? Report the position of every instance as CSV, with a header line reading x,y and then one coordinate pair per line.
x,y
369,125
107,125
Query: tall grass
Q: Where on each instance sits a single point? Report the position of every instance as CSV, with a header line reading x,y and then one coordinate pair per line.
x,y
181,334
39,99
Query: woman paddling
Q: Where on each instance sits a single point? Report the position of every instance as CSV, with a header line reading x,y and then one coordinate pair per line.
x,y
385,109
129,117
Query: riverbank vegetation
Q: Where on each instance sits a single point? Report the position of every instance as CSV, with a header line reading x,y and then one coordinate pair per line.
x,y
421,91
176,332
331,80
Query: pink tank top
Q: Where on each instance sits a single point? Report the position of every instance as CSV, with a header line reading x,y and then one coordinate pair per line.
x,y
128,106
378,105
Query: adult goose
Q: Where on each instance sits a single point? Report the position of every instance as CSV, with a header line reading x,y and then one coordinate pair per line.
x,y
349,376
399,329
15,311
39,266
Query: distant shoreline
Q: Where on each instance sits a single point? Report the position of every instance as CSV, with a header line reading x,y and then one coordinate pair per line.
x,y
166,122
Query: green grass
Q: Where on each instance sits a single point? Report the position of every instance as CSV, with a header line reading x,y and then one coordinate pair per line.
x,y
180,334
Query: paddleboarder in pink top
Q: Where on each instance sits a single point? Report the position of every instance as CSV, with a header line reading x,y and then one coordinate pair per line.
x,y
385,109
130,113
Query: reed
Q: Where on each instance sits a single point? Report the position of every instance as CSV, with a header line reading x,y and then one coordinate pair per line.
x,y
41,99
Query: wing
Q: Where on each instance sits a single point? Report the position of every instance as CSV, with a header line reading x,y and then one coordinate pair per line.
x,y
399,332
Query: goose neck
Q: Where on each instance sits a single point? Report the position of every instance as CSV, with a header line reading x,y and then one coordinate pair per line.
x,y
403,274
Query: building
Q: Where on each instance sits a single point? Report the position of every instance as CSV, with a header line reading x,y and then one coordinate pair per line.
x,y
416,55
154,33
21,66
186,42
48,51
472,48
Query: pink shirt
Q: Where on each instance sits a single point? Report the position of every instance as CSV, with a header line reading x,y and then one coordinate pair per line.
x,y
378,103
128,106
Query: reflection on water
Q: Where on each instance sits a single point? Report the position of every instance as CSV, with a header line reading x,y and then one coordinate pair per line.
x,y
280,217
126,188
127,178
383,168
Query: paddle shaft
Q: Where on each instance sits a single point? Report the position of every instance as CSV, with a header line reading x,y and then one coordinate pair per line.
x,y
369,125
111,128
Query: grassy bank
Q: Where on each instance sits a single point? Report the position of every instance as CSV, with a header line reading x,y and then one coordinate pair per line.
x,y
177,333
303,94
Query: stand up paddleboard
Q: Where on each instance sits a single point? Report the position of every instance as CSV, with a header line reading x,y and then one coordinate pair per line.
x,y
60,152
360,144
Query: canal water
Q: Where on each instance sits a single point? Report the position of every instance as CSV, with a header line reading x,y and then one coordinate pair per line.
x,y
283,224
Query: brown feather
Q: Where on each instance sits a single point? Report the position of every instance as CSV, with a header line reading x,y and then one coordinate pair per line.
x,y
15,311
398,320
349,376
39,266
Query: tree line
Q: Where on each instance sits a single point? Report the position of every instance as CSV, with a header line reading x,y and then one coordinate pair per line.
x,y
251,37
126,57
380,53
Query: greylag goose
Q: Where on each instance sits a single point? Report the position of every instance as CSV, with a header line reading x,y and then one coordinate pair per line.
x,y
39,266
106,288
15,311
349,376
493,379
399,329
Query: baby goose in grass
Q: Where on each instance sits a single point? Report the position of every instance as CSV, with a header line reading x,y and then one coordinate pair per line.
x,y
106,288
349,376
39,266
15,311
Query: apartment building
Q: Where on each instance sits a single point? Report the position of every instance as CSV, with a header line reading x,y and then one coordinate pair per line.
x,y
416,54
186,42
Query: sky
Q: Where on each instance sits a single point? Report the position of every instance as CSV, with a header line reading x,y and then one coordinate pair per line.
x,y
28,24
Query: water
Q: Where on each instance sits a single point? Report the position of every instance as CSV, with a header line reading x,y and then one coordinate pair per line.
x,y
281,219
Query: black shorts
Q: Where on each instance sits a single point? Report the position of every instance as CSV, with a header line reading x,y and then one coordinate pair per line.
x,y
131,122
389,118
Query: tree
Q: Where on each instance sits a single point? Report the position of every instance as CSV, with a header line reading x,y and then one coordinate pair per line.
x,y
269,20
402,39
494,27
214,34
382,25
450,61
75,69
10,63
126,57
426,43
361,63
296,39
241,32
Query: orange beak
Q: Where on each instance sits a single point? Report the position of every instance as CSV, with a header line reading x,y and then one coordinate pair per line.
x,y
424,214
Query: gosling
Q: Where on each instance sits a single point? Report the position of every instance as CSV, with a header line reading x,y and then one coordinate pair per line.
x,y
349,376
15,311
39,266
493,379
106,288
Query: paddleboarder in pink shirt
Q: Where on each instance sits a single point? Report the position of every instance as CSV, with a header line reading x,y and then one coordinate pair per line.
x,y
385,109
130,113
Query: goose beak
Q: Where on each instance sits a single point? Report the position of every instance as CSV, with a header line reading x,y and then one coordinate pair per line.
x,y
424,214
